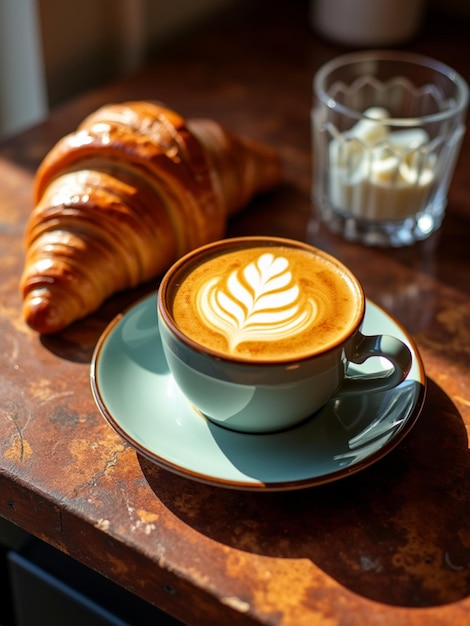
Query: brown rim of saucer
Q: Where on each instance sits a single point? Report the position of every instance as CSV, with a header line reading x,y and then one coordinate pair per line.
x,y
271,486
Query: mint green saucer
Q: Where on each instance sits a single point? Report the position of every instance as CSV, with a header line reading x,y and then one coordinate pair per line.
x,y
137,395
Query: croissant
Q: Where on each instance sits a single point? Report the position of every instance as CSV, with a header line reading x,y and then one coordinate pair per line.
x,y
118,200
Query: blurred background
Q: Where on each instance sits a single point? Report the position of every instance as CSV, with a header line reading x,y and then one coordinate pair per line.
x,y
51,50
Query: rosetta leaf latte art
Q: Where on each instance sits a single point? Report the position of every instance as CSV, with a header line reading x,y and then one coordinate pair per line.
x,y
258,302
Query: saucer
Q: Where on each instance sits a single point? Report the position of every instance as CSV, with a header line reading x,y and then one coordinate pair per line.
x,y
137,395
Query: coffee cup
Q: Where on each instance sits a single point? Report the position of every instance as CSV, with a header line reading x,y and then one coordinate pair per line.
x,y
258,332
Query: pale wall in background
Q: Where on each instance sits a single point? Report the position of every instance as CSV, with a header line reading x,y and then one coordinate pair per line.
x,y
23,98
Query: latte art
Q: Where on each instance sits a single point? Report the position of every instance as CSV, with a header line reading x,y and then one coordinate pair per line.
x,y
258,302
265,303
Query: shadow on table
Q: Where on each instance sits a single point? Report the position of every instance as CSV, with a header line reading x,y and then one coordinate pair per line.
x,y
394,533
77,342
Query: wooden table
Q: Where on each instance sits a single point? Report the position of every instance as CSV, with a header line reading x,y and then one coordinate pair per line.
x,y
389,545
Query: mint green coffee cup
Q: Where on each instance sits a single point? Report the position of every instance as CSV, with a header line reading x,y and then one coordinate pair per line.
x,y
258,332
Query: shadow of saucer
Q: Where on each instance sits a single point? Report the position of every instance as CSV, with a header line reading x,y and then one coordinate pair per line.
x,y
394,533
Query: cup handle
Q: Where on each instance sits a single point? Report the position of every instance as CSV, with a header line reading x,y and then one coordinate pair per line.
x,y
385,346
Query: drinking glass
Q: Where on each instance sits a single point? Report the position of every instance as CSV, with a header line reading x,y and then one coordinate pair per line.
x,y
386,131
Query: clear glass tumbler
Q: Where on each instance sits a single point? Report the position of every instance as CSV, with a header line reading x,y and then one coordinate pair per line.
x,y
387,128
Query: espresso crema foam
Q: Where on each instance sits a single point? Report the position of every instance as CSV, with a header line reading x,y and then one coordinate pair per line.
x,y
266,303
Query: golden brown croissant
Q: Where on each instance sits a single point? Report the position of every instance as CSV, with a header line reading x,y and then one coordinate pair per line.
x,y
118,200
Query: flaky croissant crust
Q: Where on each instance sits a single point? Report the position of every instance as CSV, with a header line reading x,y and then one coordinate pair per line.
x,y
122,197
